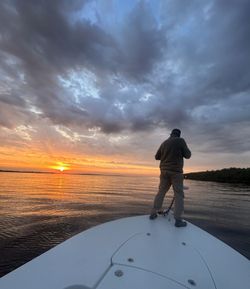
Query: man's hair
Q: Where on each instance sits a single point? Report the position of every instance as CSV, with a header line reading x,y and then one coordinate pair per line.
x,y
176,132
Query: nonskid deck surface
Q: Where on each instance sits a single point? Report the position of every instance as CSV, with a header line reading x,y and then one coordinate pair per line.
x,y
135,253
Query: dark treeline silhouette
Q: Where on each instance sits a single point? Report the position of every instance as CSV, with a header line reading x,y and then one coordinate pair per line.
x,y
230,175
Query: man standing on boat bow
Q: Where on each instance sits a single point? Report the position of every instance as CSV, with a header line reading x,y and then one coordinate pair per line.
x,y
171,154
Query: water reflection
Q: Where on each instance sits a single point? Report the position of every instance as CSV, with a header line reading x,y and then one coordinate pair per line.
x,y
39,211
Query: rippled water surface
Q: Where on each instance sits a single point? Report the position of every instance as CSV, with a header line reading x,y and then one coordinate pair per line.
x,y
39,211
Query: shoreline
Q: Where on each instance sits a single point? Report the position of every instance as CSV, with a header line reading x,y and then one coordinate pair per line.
x,y
227,175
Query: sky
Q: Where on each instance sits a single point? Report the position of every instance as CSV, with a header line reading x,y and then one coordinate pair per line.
x,y
97,86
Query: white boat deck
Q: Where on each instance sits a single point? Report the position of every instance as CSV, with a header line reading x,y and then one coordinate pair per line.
x,y
135,253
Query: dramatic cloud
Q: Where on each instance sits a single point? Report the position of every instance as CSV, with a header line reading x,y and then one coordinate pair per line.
x,y
114,77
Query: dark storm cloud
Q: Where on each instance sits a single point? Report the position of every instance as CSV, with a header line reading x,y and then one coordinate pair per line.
x,y
228,46
211,48
39,35
187,66
143,43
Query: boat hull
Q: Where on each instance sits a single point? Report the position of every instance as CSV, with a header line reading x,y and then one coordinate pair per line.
x,y
136,253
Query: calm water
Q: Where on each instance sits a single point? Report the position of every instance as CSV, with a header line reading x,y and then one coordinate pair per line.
x,y
39,211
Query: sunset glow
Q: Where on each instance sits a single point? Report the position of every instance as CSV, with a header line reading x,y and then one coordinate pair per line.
x,y
60,167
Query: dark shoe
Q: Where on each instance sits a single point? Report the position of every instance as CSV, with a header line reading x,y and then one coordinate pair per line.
x,y
180,223
153,216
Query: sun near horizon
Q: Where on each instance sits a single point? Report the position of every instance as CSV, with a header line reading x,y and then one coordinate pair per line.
x,y
60,167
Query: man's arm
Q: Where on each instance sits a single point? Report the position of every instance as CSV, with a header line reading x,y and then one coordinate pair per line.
x,y
186,151
158,154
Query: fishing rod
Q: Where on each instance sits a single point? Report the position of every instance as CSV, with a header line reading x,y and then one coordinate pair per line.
x,y
166,211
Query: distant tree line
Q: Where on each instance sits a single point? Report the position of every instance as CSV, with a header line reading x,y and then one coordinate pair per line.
x,y
230,175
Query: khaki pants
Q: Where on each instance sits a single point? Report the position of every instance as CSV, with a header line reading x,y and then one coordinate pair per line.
x,y
166,180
